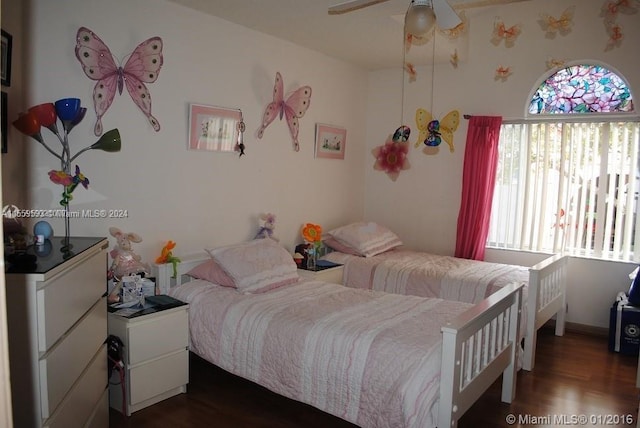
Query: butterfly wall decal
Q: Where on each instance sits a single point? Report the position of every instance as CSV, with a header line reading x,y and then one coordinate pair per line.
x,y
501,32
293,108
551,26
432,132
502,73
98,63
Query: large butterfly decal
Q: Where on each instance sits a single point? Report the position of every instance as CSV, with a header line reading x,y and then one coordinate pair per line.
x,y
98,63
293,108
561,25
432,132
501,32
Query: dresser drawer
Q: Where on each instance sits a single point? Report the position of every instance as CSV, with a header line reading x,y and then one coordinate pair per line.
x,y
79,406
60,367
156,335
67,297
158,376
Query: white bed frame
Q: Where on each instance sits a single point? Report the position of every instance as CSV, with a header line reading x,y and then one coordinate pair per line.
x,y
547,298
477,347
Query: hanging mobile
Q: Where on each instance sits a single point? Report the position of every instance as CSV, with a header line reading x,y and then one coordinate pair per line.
x,y
240,144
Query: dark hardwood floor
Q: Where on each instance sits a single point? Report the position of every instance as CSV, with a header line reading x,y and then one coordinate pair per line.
x,y
574,375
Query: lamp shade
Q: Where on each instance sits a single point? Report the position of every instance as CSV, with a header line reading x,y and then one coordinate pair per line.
x,y
67,108
109,142
45,113
28,124
419,18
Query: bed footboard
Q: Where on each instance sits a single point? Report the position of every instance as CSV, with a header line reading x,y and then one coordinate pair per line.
x,y
547,297
477,347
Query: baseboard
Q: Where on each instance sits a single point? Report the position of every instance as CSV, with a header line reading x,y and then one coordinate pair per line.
x,y
579,328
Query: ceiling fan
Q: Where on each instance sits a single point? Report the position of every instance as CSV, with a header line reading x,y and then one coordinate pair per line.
x,y
422,14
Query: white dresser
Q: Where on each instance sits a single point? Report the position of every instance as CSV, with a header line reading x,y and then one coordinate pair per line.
x,y
57,325
155,357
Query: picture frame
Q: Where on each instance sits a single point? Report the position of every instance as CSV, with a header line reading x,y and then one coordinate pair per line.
x,y
331,141
5,58
212,128
3,121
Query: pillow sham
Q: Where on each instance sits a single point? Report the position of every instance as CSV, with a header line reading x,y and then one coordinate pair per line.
x,y
212,272
256,266
338,246
366,238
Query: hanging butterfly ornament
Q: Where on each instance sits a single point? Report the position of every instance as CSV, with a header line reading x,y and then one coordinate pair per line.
x,y
502,32
432,132
98,63
293,108
551,25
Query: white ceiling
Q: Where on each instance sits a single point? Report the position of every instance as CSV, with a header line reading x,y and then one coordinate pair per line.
x,y
371,37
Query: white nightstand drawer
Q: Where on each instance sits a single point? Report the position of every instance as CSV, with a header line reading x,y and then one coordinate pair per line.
x,y
65,362
156,377
158,334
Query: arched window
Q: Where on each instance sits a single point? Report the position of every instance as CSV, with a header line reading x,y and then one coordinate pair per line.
x,y
568,176
582,89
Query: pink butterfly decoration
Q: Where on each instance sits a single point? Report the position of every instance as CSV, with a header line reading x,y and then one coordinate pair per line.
x,y
98,63
293,108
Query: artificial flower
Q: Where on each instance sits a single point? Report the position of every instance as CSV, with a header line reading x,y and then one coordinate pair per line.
x,y
166,256
391,158
79,178
312,232
60,177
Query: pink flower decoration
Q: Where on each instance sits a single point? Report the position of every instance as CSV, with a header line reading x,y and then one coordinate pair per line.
x,y
60,177
391,158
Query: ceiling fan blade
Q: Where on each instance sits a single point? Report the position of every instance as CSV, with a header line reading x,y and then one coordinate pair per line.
x,y
352,5
446,17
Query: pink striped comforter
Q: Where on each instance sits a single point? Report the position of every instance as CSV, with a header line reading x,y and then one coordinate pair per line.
x,y
370,358
429,275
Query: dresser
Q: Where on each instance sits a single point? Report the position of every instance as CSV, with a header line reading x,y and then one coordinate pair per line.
x,y
57,326
155,355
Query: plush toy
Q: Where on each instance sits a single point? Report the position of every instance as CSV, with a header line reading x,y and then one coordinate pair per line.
x,y
267,225
125,261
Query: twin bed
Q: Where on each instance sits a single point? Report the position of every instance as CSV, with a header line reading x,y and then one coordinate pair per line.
x,y
373,259
375,359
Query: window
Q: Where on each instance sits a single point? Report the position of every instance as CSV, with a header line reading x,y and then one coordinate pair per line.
x,y
571,183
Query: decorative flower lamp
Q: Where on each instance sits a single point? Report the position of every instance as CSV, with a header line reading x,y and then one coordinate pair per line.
x,y
70,113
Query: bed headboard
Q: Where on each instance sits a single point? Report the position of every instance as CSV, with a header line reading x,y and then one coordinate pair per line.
x,y
164,272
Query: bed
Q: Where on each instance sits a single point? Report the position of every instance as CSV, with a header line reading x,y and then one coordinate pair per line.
x,y
338,348
373,258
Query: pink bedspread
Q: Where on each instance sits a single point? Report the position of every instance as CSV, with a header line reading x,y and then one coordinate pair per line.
x,y
429,275
370,358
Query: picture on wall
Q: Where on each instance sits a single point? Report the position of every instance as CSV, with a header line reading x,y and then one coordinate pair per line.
x,y
5,76
213,128
4,130
330,141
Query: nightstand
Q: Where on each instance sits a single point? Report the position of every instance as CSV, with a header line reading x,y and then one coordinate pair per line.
x,y
155,356
332,274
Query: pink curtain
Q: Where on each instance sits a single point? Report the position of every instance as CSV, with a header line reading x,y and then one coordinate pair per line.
x,y
478,180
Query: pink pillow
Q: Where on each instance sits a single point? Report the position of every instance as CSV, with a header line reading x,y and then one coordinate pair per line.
x,y
257,266
366,238
212,272
340,247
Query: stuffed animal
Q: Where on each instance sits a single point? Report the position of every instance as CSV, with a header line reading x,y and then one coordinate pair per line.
x,y
125,261
267,225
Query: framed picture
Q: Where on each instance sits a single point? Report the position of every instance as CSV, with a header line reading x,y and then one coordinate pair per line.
x,y
5,77
3,120
213,128
330,141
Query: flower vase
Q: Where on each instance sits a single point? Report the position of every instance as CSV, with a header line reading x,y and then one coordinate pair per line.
x,y
311,258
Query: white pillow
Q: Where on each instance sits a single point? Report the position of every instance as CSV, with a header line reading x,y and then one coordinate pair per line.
x,y
366,238
256,266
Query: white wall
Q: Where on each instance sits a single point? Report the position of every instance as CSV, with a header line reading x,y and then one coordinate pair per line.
x,y
429,192
195,198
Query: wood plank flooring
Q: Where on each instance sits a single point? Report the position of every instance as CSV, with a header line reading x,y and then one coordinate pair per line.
x,y
574,374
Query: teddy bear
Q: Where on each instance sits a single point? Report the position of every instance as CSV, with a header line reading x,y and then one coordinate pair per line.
x,y
125,261
267,225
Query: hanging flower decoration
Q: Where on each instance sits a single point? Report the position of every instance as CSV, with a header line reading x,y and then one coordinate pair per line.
x,y
391,158
70,182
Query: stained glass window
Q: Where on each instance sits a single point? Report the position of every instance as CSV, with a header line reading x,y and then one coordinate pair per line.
x,y
582,89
